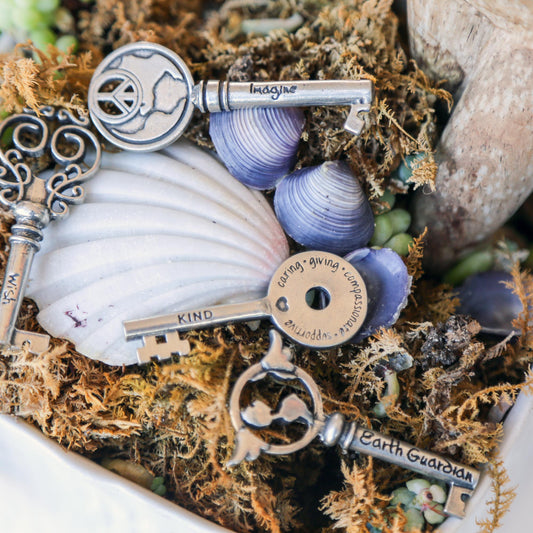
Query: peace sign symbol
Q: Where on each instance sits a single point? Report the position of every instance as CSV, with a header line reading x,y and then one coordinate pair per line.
x,y
118,97
140,97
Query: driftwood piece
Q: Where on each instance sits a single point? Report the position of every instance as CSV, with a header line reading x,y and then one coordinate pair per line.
x,y
484,48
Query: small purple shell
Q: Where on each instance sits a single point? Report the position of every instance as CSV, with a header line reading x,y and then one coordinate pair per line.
x,y
485,298
257,145
325,208
388,286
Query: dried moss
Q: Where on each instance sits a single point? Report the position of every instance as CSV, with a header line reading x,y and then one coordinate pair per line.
x,y
502,500
341,40
172,418
53,78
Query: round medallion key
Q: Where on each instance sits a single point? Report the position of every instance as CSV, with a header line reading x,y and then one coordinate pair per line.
x,y
318,299
140,97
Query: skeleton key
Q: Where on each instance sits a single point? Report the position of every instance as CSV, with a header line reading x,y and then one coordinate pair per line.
x,y
50,155
334,317
142,96
332,429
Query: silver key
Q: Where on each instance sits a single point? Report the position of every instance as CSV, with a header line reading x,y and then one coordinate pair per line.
x,y
332,429
332,319
142,96
66,154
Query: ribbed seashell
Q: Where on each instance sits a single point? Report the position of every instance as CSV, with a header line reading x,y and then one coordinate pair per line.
x,y
387,284
158,233
325,208
258,145
485,297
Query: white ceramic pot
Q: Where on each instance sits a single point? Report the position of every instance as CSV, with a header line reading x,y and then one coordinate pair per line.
x,y
47,489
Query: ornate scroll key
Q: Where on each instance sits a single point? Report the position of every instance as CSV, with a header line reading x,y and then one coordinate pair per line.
x,y
142,96
49,156
332,428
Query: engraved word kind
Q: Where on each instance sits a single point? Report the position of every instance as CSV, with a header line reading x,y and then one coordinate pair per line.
x,y
191,318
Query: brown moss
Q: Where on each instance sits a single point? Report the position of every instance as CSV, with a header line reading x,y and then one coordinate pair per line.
x,y
502,500
53,78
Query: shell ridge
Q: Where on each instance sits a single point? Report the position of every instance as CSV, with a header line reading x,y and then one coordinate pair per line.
x,y
92,218
132,256
127,190
184,271
174,172
188,153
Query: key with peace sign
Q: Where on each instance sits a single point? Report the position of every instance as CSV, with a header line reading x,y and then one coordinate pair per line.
x,y
142,96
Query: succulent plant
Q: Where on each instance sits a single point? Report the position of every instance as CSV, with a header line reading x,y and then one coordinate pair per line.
x,y
422,501
42,21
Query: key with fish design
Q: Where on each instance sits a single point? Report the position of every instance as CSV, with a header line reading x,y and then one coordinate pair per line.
x,y
142,96
332,429
51,153
315,298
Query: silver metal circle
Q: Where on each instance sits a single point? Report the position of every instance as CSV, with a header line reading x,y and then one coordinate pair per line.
x,y
330,326
121,91
256,373
140,97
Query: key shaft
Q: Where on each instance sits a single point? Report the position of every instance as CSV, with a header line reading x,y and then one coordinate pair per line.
x,y
208,316
26,234
289,304
216,96
352,436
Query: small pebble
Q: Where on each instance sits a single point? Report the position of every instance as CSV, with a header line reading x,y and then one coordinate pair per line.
x,y
438,494
402,496
265,26
132,471
65,42
415,520
418,484
41,38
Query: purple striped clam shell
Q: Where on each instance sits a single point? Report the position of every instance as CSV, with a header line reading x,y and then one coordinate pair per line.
x,y
325,208
257,145
486,298
388,286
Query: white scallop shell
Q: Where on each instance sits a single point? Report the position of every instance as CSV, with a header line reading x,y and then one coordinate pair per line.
x,y
158,233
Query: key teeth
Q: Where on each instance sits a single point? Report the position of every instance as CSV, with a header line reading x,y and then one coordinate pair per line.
x,y
161,351
353,123
456,501
38,343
